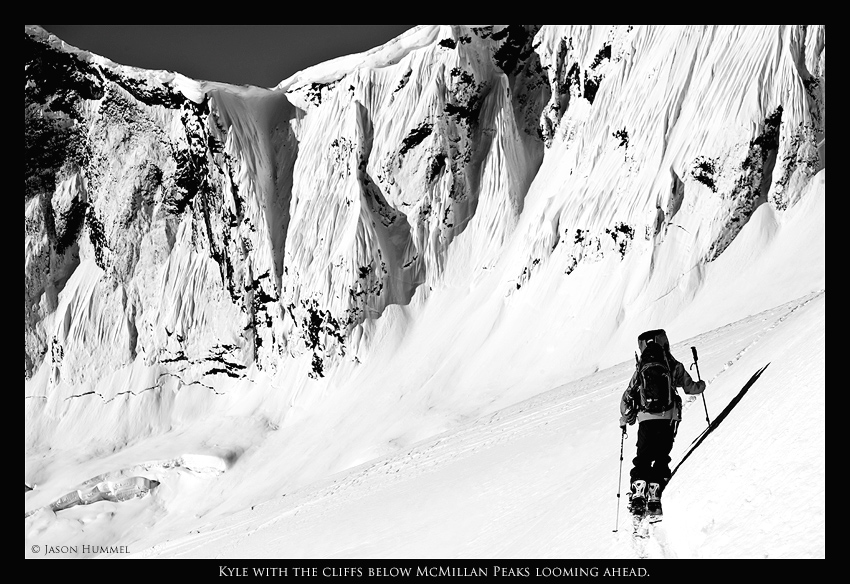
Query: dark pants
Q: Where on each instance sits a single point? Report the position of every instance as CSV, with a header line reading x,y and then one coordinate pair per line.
x,y
654,443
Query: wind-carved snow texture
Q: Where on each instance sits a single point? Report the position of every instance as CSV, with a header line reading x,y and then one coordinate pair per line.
x,y
189,244
128,483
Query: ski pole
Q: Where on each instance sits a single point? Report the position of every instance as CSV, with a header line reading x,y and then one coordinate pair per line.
x,y
694,351
620,480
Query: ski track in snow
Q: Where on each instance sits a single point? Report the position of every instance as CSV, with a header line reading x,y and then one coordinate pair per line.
x,y
659,534
653,544
549,416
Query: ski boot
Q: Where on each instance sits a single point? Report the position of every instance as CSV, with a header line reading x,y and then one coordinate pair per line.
x,y
653,505
637,498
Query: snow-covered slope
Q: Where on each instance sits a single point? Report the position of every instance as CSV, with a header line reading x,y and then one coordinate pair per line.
x,y
299,280
538,479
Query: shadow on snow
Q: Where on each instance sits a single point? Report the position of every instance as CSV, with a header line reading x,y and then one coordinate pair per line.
x,y
713,425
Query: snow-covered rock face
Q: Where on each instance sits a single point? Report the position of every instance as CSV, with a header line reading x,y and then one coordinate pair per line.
x,y
246,225
184,234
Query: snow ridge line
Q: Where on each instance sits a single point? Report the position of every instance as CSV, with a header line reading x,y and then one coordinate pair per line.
x,y
158,385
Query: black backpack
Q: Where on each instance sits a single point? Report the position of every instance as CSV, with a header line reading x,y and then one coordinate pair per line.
x,y
654,389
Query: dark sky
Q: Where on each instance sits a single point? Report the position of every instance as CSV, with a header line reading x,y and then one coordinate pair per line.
x,y
262,55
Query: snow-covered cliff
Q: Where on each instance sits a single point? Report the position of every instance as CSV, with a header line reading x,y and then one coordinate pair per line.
x,y
463,211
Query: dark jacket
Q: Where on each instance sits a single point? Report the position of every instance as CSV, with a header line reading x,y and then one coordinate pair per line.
x,y
629,403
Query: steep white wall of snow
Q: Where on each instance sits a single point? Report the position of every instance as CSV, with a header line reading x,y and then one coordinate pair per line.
x,y
461,212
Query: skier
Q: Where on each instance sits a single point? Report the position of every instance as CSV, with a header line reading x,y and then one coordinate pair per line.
x,y
651,400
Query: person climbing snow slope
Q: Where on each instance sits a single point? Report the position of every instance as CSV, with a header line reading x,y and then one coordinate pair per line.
x,y
652,400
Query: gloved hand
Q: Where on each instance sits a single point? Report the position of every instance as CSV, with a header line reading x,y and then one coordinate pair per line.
x,y
701,385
